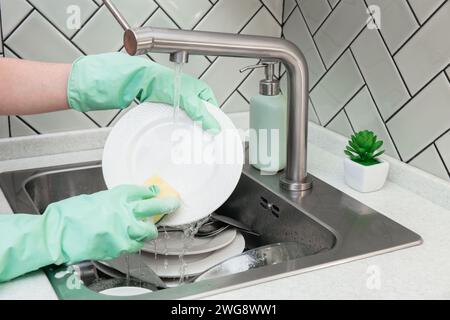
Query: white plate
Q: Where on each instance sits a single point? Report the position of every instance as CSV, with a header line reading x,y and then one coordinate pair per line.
x,y
175,243
203,168
196,264
125,291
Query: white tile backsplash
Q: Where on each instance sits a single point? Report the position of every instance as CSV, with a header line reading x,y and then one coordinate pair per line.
x,y
428,52
16,11
4,129
340,29
424,8
380,72
296,31
398,63
424,118
236,103
65,14
102,33
59,121
397,21
223,75
443,144
263,24
430,161
275,7
336,88
315,12
20,129
229,15
185,13
363,115
341,125
37,39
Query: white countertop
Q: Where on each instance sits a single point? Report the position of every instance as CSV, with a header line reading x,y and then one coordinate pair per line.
x,y
413,198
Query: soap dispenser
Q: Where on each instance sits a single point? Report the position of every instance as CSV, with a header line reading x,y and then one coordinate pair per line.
x,y
268,123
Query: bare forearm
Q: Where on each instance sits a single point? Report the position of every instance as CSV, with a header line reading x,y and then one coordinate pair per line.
x,y
29,87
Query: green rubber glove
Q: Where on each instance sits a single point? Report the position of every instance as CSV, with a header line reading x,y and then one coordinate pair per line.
x,y
100,226
114,80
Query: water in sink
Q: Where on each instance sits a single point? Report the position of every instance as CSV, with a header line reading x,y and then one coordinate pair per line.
x,y
188,234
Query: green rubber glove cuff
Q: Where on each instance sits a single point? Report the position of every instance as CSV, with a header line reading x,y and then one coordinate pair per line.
x,y
115,80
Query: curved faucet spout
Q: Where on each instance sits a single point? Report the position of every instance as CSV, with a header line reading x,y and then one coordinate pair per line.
x,y
147,39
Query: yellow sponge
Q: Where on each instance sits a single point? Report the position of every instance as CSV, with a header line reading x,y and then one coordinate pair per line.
x,y
165,190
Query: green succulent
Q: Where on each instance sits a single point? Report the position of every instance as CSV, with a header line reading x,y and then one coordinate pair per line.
x,y
363,148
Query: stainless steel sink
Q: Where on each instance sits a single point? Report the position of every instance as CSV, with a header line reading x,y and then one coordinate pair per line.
x,y
329,226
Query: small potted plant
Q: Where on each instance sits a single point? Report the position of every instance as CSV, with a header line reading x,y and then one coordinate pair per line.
x,y
364,171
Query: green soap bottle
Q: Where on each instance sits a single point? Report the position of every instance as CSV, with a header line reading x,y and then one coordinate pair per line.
x,y
268,123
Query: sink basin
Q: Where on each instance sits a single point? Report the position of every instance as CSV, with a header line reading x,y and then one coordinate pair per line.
x,y
328,226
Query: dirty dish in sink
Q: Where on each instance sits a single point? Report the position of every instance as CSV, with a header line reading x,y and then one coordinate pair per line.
x,y
170,266
125,291
202,167
259,257
175,243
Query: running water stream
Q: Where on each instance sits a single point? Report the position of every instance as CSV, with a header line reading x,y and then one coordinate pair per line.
x,y
177,90
190,230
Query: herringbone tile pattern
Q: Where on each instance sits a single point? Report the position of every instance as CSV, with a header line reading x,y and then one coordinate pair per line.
x,y
384,69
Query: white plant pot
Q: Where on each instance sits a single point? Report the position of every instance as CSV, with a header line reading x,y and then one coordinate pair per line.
x,y
365,178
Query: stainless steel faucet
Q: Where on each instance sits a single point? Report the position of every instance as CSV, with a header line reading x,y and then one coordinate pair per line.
x,y
180,44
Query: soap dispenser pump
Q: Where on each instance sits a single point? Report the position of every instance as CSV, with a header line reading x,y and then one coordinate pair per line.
x,y
268,123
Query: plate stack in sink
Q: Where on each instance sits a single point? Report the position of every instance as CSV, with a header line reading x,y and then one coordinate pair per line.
x,y
173,255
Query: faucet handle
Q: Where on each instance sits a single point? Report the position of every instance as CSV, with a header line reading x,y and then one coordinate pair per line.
x,y
116,13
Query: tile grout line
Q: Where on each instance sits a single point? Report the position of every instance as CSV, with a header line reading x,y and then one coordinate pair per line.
x,y
149,17
251,19
329,4
425,86
15,53
242,95
204,16
57,29
413,13
315,111
237,87
1,32
87,21
18,24
9,127
345,105
427,146
27,124
438,9
447,75
349,121
168,15
376,106
92,119
271,13
337,59
392,57
442,158
324,20
289,15
312,37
